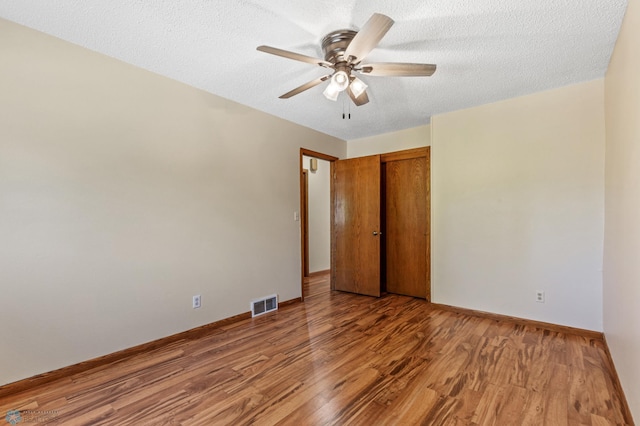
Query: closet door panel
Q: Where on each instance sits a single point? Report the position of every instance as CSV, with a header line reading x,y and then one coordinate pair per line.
x,y
406,219
356,225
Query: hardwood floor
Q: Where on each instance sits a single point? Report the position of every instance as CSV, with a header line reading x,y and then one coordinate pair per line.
x,y
339,358
316,285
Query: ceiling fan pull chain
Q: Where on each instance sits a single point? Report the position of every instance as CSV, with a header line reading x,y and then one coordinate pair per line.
x,y
343,114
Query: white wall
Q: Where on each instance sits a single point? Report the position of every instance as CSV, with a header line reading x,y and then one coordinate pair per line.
x,y
123,194
319,216
622,207
415,137
518,204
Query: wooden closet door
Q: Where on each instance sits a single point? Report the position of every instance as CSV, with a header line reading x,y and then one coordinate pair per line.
x,y
356,225
406,226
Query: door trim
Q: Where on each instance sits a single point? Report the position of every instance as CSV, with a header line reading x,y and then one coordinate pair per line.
x,y
407,154
304,208
304,225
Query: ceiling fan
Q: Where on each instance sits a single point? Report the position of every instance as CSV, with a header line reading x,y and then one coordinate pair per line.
x,y
344,51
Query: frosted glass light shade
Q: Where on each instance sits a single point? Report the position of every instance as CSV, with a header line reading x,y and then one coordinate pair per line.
x,y
358,87
341,80
331,92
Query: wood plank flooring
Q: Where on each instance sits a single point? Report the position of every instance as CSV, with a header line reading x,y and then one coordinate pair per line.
x,y
339,358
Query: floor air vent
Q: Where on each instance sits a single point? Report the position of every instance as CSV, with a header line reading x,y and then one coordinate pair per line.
x,y
264,305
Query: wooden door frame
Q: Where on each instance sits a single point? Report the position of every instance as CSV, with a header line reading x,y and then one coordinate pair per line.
x,y
304,224
304,261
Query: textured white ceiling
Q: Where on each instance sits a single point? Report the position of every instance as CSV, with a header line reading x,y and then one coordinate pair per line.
x,y
486,50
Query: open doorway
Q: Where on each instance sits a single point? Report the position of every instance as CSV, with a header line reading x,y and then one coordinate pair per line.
x,y
315,211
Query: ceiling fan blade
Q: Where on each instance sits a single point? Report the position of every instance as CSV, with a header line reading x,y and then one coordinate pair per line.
x,y
360,100
294,56
368,37
305,86
398,69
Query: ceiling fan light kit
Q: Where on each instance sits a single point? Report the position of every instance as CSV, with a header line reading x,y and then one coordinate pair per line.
x,y
357,87
344,51
331,92
339,82
340,79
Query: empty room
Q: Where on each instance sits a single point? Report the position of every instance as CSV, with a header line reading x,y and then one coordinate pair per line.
x,y
271,213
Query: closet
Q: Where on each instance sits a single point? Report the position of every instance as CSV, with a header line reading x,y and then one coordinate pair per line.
x,y
380,224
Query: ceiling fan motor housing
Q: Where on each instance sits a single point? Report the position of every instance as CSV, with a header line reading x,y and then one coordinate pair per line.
x,y
335,43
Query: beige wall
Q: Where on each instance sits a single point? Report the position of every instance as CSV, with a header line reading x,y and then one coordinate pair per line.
x,y
622,207
518,205
415,137
122,195
319,195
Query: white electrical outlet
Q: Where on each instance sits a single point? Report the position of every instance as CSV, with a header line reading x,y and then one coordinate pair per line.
x,y
197,301
540,296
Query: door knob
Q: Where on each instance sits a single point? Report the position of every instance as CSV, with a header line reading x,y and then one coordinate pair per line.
x,y
376,233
